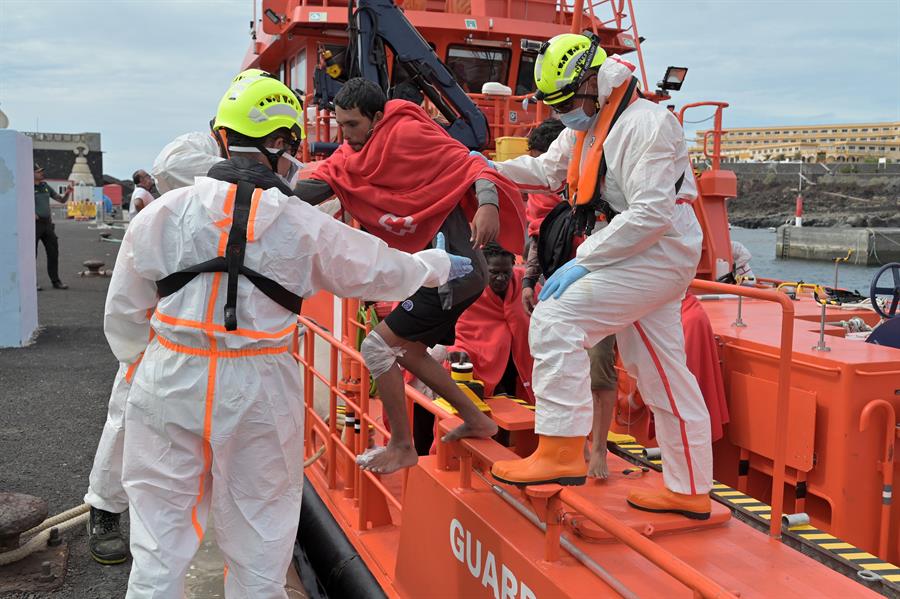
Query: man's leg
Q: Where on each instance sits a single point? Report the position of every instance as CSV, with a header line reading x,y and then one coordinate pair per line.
x,y
653,351
40,230
257,475
51,244
168,492
599,304
105,491
603,392
382,353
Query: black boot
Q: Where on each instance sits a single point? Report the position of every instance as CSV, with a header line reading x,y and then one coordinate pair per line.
x,y
106,542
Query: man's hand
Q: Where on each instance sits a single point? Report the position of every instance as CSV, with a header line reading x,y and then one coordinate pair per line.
x,y
460,266
560,280
529,301
485,225
487,160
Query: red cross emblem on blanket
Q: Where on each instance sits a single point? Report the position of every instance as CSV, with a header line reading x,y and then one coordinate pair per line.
x,y
398,225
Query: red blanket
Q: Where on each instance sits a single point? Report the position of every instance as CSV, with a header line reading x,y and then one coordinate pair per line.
x,y
703,362
539,205
408,178
491,329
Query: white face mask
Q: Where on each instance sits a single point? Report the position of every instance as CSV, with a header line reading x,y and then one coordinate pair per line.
x,y
576,119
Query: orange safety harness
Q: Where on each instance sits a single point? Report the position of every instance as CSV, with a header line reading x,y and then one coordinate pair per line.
x,y
232,263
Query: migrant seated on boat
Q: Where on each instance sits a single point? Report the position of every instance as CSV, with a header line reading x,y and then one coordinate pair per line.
x,y
494,330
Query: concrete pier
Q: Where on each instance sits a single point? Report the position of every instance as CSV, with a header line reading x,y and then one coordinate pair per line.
x,y
871,246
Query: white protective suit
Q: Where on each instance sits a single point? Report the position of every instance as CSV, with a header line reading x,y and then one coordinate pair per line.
x,y
185,157
180,161
214,419
640,266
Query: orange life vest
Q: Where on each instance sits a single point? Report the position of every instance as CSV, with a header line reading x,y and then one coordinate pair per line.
x,y
584,182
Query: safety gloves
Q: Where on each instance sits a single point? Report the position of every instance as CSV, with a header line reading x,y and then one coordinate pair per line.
x,y
560,280
487,160
460,266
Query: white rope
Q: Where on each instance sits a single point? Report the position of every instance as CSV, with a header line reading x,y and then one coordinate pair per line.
x,y
39,541
57,519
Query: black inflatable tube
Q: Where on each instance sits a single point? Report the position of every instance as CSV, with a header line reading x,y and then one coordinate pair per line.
x,y
322,547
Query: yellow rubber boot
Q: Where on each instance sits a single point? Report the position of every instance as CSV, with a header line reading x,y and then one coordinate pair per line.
x,y
696,507
557,460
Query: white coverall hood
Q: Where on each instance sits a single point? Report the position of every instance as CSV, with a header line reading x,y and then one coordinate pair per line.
x,y
187,156
612,73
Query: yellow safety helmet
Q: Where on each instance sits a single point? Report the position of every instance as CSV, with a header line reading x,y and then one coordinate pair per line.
x,y
257,104
562,63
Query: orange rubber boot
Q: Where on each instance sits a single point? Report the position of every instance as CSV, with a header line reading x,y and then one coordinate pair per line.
x,y
696,507
557,460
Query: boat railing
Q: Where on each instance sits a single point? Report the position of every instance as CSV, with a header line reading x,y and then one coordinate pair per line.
x,y
715,133
347,380
784,383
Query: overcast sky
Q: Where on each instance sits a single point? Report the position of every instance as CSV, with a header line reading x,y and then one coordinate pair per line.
x,y
144,71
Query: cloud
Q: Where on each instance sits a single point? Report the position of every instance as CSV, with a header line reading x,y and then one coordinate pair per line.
x,y
779,63
144,71
138,72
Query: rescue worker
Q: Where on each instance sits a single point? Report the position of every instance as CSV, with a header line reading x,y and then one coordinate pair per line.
x,y
628,278
177,165
204,295
404,179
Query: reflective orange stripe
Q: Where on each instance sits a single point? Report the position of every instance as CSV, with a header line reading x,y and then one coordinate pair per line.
x,y
129,374
254,204
218,328
211,373
228,208
225,353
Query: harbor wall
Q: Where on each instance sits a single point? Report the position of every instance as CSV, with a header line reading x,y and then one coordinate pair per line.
x,y
871,246
18,277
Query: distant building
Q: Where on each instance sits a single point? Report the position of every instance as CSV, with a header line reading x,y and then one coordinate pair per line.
x,y
68,157
859,142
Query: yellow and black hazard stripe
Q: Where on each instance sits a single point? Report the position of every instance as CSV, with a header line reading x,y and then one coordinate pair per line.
x,y
521,402
841,556
349,419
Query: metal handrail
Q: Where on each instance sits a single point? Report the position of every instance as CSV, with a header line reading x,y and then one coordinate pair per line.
x,y
716,131
784,384
681,571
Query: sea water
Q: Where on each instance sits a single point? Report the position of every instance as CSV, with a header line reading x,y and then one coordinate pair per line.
x,y
761,243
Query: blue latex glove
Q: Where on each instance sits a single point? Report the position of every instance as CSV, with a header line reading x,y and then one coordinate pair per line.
x,y
487,160
559,281
460,266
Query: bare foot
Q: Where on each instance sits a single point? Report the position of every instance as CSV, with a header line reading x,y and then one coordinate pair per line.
x,y
483,428
597,467
384,460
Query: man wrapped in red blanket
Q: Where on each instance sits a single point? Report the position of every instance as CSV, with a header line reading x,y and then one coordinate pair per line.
x,y
494,330
405,180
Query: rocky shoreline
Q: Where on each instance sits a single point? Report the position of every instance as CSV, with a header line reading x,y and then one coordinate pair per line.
x,y
840,201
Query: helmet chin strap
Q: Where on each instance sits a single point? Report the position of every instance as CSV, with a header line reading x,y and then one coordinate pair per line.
x,y
271,157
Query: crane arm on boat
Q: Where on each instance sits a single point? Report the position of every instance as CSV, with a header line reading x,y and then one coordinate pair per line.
x,y
378,22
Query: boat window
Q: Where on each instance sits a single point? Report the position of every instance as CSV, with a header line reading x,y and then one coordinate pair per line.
x,y
298,80
473,66
525,77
